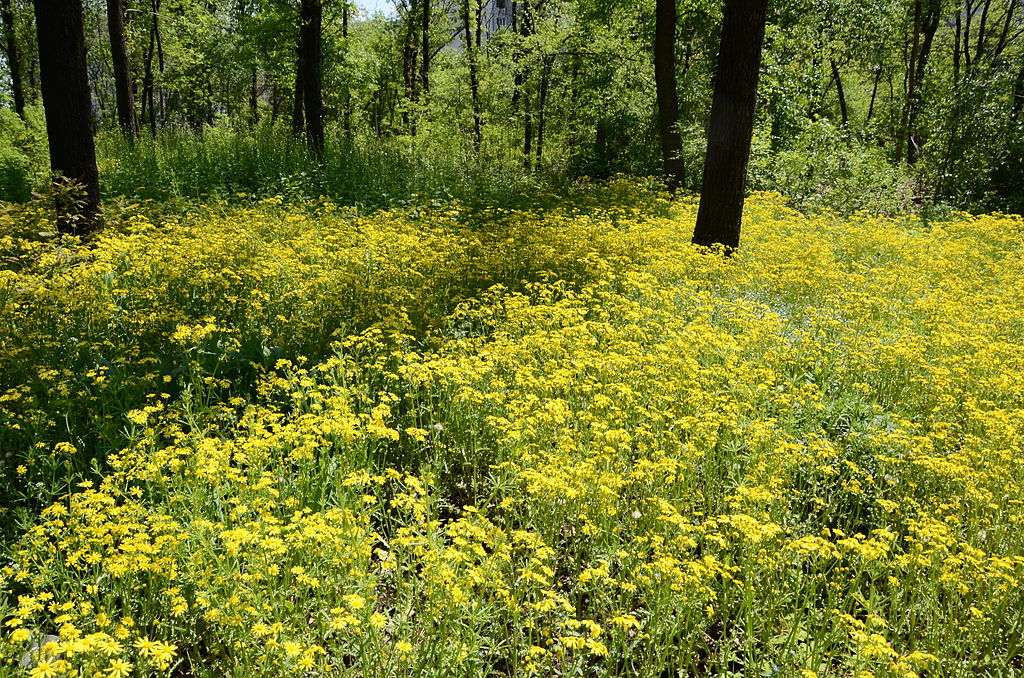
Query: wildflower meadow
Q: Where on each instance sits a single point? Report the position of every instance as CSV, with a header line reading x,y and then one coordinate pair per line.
x,y
280,439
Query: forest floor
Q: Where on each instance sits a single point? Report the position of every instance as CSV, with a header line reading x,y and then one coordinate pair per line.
x,y
280,440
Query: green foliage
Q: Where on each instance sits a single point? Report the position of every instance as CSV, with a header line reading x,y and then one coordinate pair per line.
x,y
826,167
23,156
234,162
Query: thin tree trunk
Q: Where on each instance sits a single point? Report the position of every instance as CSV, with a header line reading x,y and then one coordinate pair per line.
x,y
298,121
65,86
310,36
147,79
474,84
1017,105
956,49
665,85
122,75
908,103
13,61
874,92
159,60
425,35
843,111
720,214
545,79
254,99
930,24
347,113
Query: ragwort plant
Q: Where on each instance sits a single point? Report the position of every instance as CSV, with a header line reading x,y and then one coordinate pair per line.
x,y
552,443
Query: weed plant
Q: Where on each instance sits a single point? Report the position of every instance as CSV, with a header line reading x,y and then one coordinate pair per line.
x,y
462,441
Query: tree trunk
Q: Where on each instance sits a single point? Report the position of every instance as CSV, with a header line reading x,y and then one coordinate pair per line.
x,y
65,87
929,25
844,113
474,84
147,79
908,104
732,124
122,76
1017,105
254,99
347,113
298,122
545,78
310,36
10,33
874,92
665,84
425,35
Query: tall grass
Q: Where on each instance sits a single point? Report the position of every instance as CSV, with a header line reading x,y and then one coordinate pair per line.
x,y
231,162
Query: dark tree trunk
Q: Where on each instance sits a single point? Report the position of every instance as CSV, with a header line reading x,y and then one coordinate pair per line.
x,y
908,103
310,36
425,36
147,82
930,24
844,113
254,99
665,84
66,101
160,61
1018,96
409,58
122,76
732,124
545,79
13,61
874,92
471,55
347,113
298,122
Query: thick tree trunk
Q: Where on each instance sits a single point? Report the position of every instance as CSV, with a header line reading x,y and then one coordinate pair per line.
x,y
732,124
665,84
65,87
310,37
122,76
13,61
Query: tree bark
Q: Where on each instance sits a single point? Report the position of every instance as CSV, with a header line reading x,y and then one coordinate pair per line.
x,y
720,213
929,25
298,121
844,112
471,54
122,75
545,78
665,85
65,88
425,35
915,46
147,78
310,37
347,113
13,60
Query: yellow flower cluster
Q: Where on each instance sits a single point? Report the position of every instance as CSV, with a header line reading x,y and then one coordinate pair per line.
x,y
550,442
